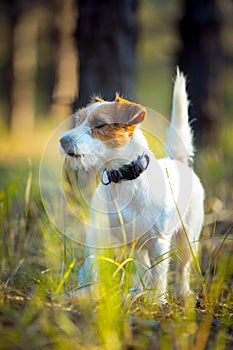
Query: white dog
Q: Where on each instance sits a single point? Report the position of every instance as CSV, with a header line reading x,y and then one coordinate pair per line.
x,y
139,197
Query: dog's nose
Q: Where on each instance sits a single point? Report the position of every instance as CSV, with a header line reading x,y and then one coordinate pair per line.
x,y
66,141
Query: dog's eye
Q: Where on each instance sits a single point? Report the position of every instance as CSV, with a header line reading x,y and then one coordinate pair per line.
x,y
98,124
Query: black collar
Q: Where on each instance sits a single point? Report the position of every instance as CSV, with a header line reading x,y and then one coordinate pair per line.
x,y
126,172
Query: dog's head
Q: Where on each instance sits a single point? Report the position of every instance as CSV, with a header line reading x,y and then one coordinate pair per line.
x,y
104,131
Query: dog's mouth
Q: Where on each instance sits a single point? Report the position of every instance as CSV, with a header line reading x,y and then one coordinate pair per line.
x,y
73,155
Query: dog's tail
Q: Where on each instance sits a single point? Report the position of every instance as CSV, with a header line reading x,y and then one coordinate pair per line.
x,y
179,133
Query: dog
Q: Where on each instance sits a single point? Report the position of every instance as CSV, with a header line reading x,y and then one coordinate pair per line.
x,y
156,202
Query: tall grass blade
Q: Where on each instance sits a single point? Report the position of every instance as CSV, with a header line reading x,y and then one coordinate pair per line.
x,y
27,193
221,247
65,278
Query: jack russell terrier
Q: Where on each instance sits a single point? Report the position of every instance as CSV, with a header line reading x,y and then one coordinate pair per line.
x,y
157,203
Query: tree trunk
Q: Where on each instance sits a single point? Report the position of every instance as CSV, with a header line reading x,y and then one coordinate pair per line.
x,y
106,38
9,17
200,59
27,68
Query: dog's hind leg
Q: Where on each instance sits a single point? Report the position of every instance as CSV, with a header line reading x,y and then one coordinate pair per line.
x,y
184,258
187,243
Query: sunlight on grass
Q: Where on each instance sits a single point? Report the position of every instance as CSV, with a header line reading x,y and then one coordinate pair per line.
x,y
39,296
39,277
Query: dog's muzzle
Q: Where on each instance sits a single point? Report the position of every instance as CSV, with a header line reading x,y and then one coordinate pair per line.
x,y
68,145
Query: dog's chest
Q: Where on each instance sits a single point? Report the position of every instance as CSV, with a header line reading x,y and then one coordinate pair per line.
x,y
129,205
142,205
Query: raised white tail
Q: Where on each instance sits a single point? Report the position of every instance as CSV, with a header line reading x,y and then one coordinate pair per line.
x,y
179,133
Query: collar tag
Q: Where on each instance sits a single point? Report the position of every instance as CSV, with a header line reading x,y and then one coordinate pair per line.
x,y
105,178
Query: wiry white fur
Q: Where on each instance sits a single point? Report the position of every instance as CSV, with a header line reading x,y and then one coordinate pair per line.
x,y
179,134
148,204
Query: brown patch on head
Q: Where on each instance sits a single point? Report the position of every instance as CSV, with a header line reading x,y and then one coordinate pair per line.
x,y
115,135
119,120
128,113
111,122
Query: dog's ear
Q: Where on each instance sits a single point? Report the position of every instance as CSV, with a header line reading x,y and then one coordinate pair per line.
x,y
138,118
129,112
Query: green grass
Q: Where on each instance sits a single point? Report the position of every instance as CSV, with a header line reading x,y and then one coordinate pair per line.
x,y
39,269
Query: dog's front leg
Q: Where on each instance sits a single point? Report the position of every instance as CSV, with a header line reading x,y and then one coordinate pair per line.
x,y
98,236
159,256
94,246
87,273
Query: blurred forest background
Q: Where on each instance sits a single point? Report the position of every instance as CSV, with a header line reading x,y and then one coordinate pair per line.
x,y
53,51
54,55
